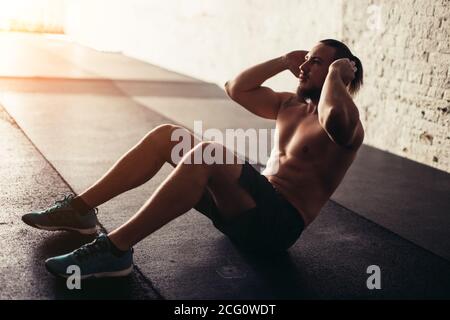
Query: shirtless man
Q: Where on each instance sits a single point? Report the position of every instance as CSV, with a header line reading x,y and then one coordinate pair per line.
x,y
319,135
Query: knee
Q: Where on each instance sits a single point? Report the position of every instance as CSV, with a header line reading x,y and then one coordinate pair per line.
x,y
207,153
204,146
165,130
161,135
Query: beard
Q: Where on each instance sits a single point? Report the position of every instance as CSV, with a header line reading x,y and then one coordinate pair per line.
x,y
311,93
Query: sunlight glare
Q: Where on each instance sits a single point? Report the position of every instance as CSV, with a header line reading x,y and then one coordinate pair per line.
x,y
31,15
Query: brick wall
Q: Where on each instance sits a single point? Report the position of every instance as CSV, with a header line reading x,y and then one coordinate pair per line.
x,y
405,103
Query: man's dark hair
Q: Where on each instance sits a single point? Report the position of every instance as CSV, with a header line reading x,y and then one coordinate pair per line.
x,y
342,51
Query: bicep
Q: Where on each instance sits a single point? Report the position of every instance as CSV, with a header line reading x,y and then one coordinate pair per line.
x,y
262,101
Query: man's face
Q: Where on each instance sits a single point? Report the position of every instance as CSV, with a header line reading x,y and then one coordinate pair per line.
x,y
314,70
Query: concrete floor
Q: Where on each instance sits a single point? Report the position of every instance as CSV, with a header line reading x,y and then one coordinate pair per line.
x,y
70,112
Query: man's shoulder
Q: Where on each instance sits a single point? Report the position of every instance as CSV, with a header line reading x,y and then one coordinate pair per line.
x,y
287,99
290,99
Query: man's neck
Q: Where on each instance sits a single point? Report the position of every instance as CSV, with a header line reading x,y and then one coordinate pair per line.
x,y
312,104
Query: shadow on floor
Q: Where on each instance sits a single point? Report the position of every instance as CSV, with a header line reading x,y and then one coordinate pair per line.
x,y
278,274
284,278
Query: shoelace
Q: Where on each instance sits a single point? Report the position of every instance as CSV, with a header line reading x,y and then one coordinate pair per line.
x,y
91,249
63,203
60,203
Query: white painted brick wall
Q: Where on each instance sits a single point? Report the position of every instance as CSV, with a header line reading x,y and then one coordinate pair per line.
x,y
405,103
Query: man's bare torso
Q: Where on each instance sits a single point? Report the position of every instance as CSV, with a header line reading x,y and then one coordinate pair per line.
x,y
310,164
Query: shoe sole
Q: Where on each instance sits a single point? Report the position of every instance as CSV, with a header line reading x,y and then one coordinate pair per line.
x,y
82,231
111,274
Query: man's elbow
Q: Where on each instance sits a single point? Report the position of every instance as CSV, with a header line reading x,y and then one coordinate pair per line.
x,y
229,88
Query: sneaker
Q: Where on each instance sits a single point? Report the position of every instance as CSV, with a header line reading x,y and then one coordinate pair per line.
x,y
94,259
62,216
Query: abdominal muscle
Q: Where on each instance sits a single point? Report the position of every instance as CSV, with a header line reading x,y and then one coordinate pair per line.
x,y
298,184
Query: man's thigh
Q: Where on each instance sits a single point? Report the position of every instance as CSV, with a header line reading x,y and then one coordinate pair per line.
x,y
229,196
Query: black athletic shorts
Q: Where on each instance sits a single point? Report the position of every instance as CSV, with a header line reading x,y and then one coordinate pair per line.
x,y
273,225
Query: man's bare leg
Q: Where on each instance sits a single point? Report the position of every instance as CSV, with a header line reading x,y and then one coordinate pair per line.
x,y
135,167
180,192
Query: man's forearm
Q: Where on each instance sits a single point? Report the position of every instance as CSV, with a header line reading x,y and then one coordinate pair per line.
x,y
335,100
255,76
